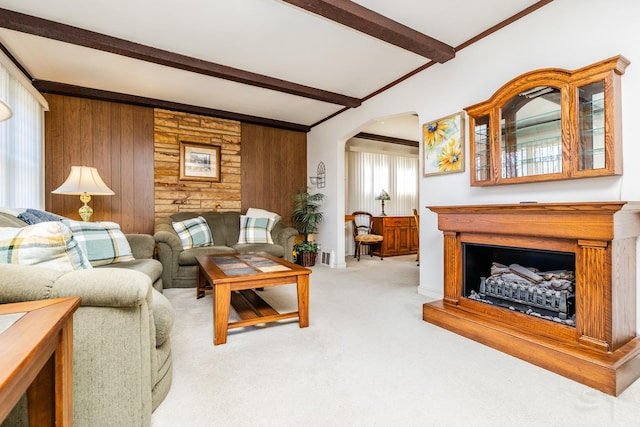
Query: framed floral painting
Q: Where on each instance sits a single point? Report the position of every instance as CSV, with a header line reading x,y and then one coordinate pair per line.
x,y
443,145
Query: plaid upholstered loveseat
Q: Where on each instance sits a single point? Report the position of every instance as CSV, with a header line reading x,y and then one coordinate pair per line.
x,y
227,235
122,363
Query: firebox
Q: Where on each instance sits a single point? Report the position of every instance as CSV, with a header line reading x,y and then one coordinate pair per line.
x,y
550,283
538,283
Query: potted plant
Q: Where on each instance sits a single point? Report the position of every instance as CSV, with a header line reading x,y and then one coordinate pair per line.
x,y
306,217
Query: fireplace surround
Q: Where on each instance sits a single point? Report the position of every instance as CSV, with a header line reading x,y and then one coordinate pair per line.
x,y
600,349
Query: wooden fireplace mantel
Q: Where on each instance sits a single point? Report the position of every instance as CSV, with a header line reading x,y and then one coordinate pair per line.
x,y
602,350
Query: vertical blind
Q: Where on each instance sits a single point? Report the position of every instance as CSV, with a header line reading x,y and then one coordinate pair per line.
x,y
21,146
368,174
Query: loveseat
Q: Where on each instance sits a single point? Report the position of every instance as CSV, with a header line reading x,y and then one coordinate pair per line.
x,y
122,363
179,265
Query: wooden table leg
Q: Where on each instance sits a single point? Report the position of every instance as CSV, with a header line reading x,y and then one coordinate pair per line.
x,y
303,299
50,396
201,283
221,303
64,376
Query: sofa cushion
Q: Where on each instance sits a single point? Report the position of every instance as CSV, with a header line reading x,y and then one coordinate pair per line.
x,y
188,257
150,267
255,230
103,242
273,249
193,232
47,244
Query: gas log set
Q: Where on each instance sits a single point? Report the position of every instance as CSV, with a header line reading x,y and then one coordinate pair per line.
x,y
546,294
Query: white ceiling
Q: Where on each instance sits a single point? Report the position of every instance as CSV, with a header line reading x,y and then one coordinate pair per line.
x,y
267,37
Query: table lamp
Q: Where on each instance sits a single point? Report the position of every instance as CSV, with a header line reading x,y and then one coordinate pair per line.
x,y
382,197
5,111
84,181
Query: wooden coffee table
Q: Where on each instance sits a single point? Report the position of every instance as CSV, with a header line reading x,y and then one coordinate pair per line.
x,y
233,278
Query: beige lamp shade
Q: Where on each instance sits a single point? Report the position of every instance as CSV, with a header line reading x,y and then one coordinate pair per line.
x,y
84,180
5,111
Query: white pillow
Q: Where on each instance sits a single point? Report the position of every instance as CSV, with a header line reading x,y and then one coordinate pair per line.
x,y
261,213
46,244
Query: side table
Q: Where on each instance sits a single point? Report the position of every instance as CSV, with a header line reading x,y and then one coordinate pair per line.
x,y
37,357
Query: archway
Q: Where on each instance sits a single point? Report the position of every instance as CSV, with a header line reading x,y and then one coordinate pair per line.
x,y
383,154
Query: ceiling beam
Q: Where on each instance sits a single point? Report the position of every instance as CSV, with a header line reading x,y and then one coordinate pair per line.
x,y
486,33
379,26
54,30
103,95
390,139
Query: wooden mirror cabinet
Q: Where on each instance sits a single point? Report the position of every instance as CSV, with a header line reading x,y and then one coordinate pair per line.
x,y
549,124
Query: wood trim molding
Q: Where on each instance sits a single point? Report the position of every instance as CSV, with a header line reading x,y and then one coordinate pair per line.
x,y
103,95
379,26
458,48
390,139
66,33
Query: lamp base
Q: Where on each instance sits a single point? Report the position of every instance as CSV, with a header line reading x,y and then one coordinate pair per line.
x,y
85,211
382,214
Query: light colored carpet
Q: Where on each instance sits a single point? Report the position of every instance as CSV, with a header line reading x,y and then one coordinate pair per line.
x,y
367,359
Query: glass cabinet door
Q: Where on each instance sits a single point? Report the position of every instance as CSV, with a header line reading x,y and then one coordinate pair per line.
x,y
482,148
531,133
591,153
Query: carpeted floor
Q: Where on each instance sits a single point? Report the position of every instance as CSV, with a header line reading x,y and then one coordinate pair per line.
x,y
367,359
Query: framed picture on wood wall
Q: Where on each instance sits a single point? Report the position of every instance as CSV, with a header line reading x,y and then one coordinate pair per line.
x,y
199,162
443,145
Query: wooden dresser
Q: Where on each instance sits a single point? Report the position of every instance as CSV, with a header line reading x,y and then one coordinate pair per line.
x,y
400,235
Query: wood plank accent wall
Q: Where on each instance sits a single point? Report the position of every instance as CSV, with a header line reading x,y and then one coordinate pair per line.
x,y
115,138
274,168
173,195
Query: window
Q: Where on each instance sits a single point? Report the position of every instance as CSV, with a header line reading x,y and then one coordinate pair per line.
x,y
370,173
21,141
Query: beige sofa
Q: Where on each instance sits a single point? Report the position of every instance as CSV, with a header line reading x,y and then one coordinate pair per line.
x,y
122,363
179,265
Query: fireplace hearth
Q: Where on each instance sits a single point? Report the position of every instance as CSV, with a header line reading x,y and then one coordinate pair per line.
x,y
553,284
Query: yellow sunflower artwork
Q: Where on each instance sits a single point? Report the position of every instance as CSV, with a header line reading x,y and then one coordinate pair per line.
x,y
450,156
436,132
444,145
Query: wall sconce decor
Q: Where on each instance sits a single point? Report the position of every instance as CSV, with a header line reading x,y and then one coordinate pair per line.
x,y
382,197
319,179
84,181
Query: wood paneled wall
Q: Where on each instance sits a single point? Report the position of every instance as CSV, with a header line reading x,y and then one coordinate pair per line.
x,y
115,138
262,167
274,168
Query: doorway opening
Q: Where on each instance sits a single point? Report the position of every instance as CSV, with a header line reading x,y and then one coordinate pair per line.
x,y
382,177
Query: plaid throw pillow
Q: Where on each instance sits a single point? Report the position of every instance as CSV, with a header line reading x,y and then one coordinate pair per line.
x,y
255,230
47,244
103,242
193,232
